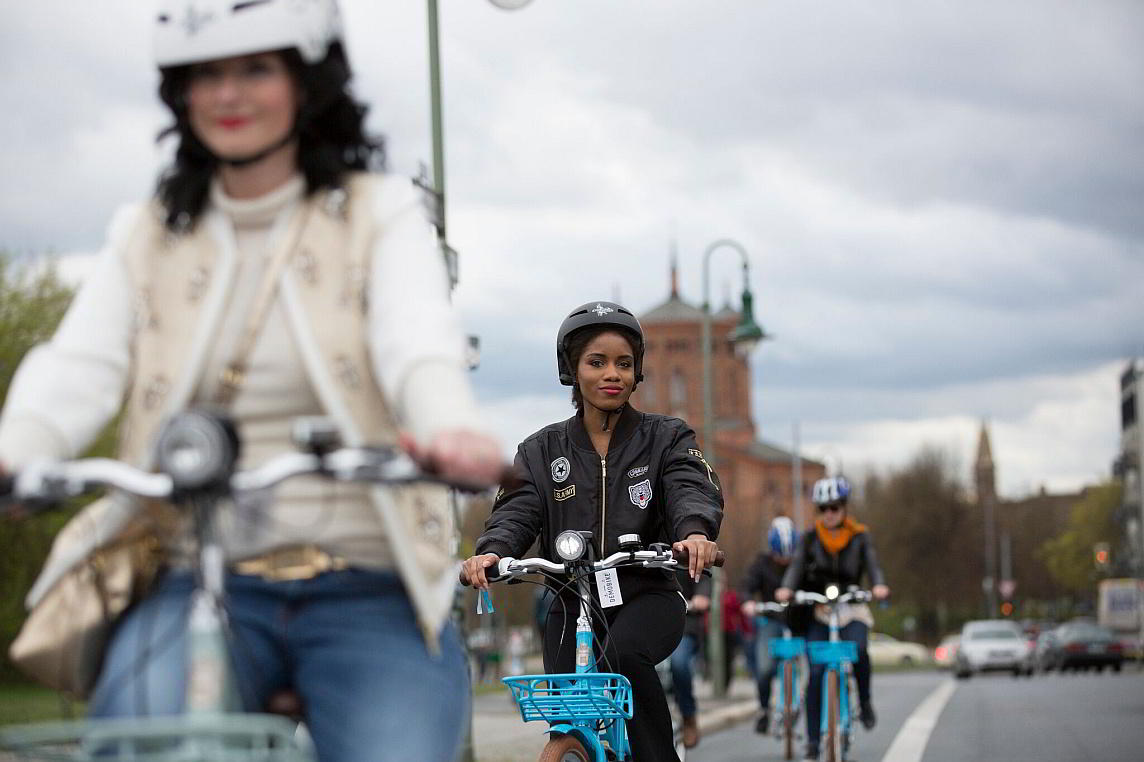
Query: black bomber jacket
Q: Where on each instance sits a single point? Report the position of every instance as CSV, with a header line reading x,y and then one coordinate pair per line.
x,y
654,482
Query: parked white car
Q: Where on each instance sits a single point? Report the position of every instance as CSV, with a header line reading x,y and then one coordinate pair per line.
x,y
886,651
992,644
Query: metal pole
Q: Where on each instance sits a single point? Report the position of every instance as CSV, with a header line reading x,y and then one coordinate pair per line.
x,y
796,479
715,618
435,112
989,584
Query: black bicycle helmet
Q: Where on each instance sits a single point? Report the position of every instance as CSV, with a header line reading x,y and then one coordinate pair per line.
x,y
592,314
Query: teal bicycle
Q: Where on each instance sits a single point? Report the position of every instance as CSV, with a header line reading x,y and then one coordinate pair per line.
x,y
196,457
787,652
587,709
837,656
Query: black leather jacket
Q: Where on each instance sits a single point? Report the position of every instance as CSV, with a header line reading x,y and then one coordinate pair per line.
x,y
813,568
654,482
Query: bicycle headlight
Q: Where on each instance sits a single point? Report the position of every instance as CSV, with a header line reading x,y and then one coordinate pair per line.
x,y
197,449
831,592
570,545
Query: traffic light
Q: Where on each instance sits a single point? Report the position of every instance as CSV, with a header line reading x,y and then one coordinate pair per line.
x,y
1101,555
1007,609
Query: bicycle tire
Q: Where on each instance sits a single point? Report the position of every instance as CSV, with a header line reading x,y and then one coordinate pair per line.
x,y
564,748
833,721
788,709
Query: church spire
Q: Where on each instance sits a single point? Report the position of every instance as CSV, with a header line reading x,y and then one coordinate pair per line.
x,y
984,473
674,250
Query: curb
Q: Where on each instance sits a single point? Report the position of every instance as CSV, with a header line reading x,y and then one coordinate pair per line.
x,y
725,716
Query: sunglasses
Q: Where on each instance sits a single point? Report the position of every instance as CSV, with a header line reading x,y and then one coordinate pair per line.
x,y
832,507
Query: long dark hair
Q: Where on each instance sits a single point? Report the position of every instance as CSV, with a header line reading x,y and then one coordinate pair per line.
x,y
579,341
329,126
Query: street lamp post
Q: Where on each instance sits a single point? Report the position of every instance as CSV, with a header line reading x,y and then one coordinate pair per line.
x,y
745,337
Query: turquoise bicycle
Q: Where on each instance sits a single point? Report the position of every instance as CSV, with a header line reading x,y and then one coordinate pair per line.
x,y
196,457
787,652
587,709
837,656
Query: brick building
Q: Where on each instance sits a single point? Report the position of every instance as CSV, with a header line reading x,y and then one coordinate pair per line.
x,y
757,476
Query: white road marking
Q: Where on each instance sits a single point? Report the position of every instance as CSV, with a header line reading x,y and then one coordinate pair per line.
x,y
910,743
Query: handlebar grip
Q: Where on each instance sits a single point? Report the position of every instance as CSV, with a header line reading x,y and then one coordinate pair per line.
x,y
681,555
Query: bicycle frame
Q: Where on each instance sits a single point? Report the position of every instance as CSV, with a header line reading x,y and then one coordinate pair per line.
x,y
212,727
590,705
784,650
837,656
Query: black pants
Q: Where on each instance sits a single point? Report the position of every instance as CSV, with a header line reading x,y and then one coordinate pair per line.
x,y
857,632
641,633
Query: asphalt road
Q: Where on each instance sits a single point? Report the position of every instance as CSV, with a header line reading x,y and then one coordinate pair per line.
x,y
929,717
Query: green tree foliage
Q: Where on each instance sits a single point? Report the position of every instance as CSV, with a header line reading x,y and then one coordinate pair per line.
x,y
32,301
927,535
1069,556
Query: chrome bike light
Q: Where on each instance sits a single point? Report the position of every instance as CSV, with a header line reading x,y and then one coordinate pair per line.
x,y
570,545
198,450
832,592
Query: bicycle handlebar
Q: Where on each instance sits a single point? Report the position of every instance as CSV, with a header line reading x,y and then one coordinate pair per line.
x,y
48,482
851,596
509,568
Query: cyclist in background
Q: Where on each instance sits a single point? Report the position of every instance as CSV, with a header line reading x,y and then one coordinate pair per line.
x,y
763,578
275,275
839,551
698,596
611,470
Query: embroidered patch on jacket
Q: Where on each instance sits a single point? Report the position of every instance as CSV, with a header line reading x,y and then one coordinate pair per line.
x,y
637,472
564,494
640,493
560,469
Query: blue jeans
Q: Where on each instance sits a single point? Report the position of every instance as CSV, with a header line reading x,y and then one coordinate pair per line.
x,y
855,631
765,629
346,642
681,681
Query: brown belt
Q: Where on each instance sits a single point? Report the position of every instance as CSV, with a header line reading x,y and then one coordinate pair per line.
x,y
291,563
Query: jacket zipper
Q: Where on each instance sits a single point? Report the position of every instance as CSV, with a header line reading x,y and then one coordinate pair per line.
x,y
603,504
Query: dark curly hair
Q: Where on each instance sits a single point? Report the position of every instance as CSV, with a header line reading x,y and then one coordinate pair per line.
x,y
579,341
329,125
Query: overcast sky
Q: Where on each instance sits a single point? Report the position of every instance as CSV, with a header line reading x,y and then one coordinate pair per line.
x,y
942,201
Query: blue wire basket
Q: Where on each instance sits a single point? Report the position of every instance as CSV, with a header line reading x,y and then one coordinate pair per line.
x,y
786,648
826,652
571,697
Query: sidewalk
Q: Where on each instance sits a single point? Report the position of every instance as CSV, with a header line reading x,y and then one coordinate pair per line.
x,y
499,735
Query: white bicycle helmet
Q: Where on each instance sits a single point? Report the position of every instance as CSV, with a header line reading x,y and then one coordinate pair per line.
x,y
833,489
191,31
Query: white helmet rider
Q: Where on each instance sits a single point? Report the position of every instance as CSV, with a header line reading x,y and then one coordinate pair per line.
x,y
191,31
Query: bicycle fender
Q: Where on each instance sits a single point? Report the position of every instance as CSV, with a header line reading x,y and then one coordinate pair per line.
x,y
590,740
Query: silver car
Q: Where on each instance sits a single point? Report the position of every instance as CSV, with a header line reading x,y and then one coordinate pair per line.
x,y
991,644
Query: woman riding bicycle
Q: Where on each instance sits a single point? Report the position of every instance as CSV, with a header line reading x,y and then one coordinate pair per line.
x,y
275,276
611,470
839,551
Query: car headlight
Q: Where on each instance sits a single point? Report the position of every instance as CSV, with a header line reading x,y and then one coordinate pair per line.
x,y
570,545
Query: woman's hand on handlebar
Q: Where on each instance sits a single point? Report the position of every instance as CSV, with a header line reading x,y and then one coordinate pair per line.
x,y
700,553
473,570
783,594
460,456
881,592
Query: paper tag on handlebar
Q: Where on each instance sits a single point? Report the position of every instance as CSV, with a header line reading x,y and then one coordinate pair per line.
x,y
608,585
485,603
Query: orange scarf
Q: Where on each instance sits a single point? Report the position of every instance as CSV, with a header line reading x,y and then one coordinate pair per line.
x,y
834,540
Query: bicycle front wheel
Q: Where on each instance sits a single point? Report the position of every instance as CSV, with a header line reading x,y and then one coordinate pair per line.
x,y
564,748
788,709
833,738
